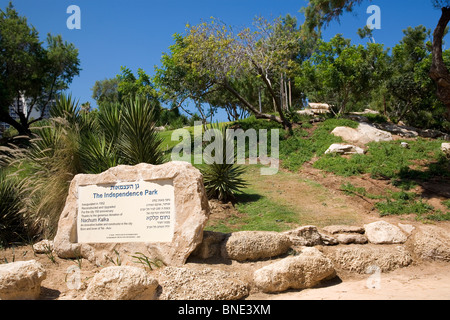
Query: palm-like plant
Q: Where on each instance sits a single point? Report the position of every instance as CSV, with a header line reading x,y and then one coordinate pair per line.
x,y
222,177
139,142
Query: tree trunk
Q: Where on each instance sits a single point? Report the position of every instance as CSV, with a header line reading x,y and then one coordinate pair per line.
x,y
250,107
439,72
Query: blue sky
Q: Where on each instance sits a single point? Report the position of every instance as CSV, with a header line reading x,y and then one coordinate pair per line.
x,y
135,33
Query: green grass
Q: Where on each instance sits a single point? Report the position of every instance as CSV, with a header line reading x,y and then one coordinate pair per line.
x,y
299,148
388,160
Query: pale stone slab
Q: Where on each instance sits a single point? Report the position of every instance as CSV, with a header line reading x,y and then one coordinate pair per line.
x,y
299,272
364,134
191,212
343,229
382,232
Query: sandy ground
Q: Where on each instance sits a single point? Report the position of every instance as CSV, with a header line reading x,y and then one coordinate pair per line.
x,y
430,281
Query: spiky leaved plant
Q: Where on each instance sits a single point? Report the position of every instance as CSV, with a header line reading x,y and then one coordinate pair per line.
x,y
222,178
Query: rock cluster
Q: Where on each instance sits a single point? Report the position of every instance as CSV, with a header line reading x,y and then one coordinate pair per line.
x,y
271,262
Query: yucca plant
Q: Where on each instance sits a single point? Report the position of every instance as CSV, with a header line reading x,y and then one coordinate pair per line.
x,y
222,177
97,154
139,142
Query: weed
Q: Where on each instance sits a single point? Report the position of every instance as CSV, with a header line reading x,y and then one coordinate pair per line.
x,y
118,260
147,262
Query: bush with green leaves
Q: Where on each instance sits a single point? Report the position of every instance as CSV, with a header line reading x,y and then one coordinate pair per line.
x,y
73,142
12,222
222,178
300,147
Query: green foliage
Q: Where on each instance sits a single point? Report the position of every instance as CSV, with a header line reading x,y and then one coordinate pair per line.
x,y
148,262
12,222
299,148
139,141
411,92
73,142
388,160
222,180
342,74
29,67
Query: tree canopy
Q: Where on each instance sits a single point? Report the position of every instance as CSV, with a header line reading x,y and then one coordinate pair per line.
x,y
31,70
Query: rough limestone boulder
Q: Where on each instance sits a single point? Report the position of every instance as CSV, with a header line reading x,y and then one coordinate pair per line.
x,y
121,283
309,236
382,232
445,147
359,259
348,238
343,229
344,149
43,246
191,211
306,270
362,135
432,243
181,283
255,245
21,280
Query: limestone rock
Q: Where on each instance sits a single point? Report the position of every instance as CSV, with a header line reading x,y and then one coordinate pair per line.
x,y
21,280
382,232
343,229
358,259
364,134
432,243
121,283
181,283
344,149
296,272
305,236
43,246
348,238
406,228
445,147
191,211
254,245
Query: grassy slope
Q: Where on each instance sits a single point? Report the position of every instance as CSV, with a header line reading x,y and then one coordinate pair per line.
x,y
284,200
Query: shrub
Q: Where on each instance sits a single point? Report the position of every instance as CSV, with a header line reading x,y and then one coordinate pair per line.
x,y
222,180
12,222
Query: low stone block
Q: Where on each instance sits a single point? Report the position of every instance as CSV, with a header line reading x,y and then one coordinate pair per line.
x,y
254,245
306,270
21,280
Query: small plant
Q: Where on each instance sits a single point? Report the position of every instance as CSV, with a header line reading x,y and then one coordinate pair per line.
x,y
147,262
222,180
117,261
49,253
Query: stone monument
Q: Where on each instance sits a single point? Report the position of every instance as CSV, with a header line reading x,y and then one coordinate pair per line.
x,y
158,211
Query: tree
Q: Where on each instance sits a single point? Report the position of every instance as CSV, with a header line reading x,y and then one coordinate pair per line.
x,y
439,72
321,12
106,90
29,70
214,57
340,73
413,92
